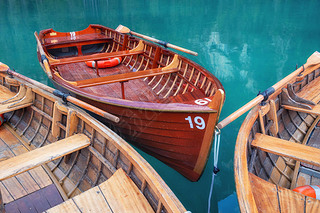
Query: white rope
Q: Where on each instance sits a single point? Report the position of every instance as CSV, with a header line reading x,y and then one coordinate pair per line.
x,y
216,148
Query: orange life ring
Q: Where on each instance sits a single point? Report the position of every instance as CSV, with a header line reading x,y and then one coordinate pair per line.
x,y
106,63
1,119
309,190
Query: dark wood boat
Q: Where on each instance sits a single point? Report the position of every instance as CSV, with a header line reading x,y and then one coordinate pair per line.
x,y
167,104
54,157
277,150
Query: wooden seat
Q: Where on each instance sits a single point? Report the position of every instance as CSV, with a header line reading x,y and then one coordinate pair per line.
x,y
34,158
93,57
124,77
315,110
78,42
117,194
289,149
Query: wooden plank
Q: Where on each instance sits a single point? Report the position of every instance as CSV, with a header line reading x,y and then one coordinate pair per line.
x,y
38,173
92,201
123,195
312,205
93,57
124,77
29,160
315,110
285,148
68,43
14,188
291,201
6,196
67,206
38,200
264,191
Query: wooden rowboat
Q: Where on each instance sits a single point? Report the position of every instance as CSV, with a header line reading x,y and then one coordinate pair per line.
x,y
167,104
54,157
277,148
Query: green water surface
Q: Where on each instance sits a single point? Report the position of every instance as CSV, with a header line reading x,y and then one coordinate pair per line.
x,y
248,44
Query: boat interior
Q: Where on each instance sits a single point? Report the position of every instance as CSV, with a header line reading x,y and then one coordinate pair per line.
x,y
285,145
56,158
146,73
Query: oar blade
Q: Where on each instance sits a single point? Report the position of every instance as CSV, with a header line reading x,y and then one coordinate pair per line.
x,y
122,29
313,59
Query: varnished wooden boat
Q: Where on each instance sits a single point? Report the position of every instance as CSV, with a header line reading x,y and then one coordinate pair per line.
x,y
277,148
167,104
54,157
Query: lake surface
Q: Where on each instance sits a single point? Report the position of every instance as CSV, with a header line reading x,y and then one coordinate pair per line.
x,y
249,45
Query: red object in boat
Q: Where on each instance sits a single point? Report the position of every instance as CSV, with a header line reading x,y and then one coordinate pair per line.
x,y
309,190
105,63
167,104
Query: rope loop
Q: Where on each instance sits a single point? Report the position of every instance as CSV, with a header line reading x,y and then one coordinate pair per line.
x,y
216,148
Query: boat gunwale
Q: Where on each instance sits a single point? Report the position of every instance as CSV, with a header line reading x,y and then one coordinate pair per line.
x,y
119,101
241,174
164,193
139,105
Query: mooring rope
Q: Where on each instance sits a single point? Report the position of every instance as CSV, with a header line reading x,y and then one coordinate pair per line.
x,y
215,162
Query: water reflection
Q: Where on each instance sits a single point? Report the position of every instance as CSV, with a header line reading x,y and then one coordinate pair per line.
x,y
248,45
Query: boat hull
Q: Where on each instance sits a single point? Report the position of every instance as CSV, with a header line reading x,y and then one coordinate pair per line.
x,y
167,135
272,153
168,105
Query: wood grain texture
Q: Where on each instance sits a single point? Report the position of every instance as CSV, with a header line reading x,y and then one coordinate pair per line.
x,y
123,195
288,149
263,191
31,128
29,160
117,194
157,83
315,110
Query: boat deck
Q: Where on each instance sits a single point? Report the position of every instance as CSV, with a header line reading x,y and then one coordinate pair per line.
x,y
134,89
138,90
298,164
33,190
117,194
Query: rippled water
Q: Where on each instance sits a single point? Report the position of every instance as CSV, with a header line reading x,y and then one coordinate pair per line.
x,y
249,45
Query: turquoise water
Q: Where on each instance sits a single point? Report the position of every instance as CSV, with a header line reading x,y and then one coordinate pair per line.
x,y
249,45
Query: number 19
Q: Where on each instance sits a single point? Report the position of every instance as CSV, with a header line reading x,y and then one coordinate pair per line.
x,y
200,124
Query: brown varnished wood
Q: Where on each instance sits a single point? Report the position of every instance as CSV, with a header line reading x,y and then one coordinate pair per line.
x,y
94,57
146,87
123,77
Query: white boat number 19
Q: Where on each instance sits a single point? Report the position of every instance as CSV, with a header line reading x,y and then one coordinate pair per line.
x,y
198,121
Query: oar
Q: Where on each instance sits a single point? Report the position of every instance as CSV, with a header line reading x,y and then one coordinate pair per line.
x,y
312,60
43,56
123,29
64,96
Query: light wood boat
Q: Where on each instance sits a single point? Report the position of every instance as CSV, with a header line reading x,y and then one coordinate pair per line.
x,y
167,104
54,157
277,148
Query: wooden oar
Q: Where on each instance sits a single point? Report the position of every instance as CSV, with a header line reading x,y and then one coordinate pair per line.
x,y
312,60
123,29
65,97
43,56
